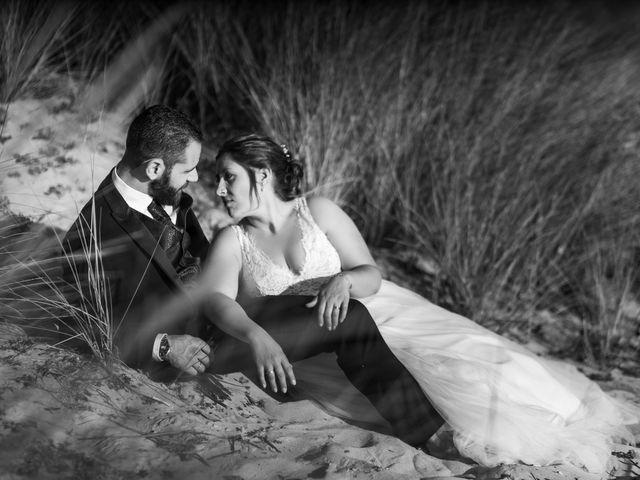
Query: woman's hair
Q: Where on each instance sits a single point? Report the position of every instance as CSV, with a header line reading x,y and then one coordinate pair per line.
x,y
254,152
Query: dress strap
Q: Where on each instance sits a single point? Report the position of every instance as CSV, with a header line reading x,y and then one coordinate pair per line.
x,y
241,235
303,209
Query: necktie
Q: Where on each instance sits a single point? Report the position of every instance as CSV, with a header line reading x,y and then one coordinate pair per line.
x,y
171,234
187,267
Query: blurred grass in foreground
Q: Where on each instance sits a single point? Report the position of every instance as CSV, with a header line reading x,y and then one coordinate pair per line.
x,y
500,141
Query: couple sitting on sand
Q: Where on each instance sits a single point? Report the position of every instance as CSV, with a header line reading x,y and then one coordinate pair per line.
x,y
280,285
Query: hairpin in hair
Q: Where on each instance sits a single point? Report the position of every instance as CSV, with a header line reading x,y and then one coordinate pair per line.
x,y
286,152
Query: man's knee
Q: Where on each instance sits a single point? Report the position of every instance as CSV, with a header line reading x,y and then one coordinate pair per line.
x,y
357,309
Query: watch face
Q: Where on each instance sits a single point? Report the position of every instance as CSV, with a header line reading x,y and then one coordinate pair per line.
x,y
164,348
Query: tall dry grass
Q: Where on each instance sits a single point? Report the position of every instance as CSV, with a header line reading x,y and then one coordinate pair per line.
x,y
29,39
482,135
498,140
72,310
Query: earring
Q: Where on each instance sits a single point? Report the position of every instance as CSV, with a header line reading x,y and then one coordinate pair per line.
x,y
262,186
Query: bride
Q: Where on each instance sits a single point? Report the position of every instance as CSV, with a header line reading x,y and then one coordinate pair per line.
x,y
502,403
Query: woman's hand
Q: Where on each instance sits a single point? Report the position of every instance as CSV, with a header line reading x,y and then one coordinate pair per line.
x,y
332,302
273,365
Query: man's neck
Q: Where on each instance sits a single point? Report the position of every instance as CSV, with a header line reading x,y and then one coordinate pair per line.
x,y
132,178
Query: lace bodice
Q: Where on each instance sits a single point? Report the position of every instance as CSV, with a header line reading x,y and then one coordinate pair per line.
x,y
261,276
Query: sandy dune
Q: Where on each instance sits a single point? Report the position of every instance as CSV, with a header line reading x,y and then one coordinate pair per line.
x,y
67,416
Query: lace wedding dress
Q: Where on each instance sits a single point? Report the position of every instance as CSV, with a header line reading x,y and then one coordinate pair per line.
x,y
503,403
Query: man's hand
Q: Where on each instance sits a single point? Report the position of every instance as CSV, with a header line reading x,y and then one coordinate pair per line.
x,y
189,354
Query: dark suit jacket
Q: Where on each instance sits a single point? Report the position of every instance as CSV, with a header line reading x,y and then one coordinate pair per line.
x,y
140,276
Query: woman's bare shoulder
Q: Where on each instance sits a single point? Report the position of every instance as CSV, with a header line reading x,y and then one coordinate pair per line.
x,y
322,207
226,240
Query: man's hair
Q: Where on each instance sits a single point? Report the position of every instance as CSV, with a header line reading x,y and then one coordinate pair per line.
x,y
159,132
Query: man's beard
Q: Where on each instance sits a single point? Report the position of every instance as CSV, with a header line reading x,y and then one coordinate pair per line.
x,y
162,192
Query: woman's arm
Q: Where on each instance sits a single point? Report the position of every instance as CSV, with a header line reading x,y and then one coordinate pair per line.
x,y
219,288
360,276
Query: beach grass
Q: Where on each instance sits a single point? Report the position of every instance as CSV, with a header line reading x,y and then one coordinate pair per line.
x,y
72,310
499,142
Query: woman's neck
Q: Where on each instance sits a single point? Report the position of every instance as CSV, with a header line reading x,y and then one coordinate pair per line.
x,y
270,216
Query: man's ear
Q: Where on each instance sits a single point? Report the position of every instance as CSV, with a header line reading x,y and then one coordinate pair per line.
x,y
154,168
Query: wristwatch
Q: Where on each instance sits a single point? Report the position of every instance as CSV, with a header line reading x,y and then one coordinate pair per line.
x,y
164,349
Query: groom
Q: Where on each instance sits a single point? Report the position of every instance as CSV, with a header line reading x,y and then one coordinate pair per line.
x,y
151,247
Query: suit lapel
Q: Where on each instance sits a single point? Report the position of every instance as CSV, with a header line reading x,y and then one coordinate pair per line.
x,y
128,220
199,244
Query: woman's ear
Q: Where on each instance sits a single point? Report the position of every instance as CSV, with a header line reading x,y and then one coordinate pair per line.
x,y
154,168
263,176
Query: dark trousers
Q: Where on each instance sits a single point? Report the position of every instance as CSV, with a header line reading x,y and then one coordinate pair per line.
x,y
362,354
